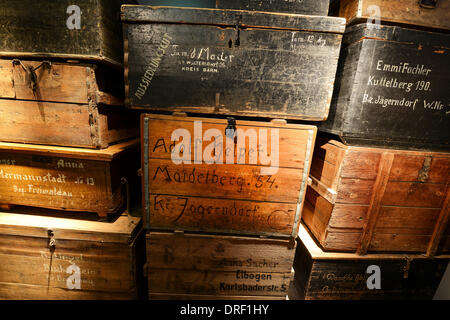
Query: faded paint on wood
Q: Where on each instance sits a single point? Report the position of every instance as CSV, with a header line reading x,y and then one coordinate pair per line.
x,y
237,197
230,62
308,7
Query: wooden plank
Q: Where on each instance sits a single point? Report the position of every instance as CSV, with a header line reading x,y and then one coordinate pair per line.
x,y
172,296
233,189
272,65
441,225
55,180
310,7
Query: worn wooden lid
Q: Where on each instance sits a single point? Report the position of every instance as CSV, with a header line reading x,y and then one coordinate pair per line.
x,y
232,18
121,230
75,153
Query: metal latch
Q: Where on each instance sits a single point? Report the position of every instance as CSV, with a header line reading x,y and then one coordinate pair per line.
x,y
429,4
51,240
231,127
31,76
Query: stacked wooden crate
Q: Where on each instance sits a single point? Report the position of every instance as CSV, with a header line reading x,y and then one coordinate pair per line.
x,y
223,186
68,151
378,201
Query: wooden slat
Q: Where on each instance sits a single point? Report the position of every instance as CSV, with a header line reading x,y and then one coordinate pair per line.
x,y
375,202
441,226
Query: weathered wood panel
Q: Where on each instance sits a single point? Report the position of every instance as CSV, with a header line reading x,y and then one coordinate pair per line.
x,y
391,89
405,12
413,206
67,104
169,296
238,184
236,62
89,259
218,265
81,29
336,276
308,7
66,178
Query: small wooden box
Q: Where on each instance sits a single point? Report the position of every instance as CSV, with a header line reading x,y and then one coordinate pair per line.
x,y
69,29
66,104
378,200
69,179
48,257
230,62
392,89
229,188
323,275
308,7
405,12
220,266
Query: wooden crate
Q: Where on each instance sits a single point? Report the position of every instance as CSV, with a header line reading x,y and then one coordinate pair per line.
x,y
220,266
68,104
405,12
391,89
230,62
52,257
308,7
323,275
168,296
230,191
67,178
378,200
69,29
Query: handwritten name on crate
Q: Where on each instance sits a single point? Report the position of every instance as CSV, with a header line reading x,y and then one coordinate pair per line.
x,y
218,265
250,183
89,259
392,89
71,179
230,62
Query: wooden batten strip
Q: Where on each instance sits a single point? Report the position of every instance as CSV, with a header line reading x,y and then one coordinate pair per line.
x,y
373,211
441,225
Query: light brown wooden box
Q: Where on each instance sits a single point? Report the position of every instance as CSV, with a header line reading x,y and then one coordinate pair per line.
x,y
407,12
224,197
221,267
321,275
109,256
71,179
68,104
378,200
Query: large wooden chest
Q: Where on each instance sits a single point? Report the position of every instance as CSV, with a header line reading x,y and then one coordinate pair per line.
x,y
378,200
220,266
70,179
230,62
246,180
66,104
308,7
419,13
47,257
323,275
392,89
69,29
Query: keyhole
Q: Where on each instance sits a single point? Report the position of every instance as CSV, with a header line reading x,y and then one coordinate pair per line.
x,y
230,44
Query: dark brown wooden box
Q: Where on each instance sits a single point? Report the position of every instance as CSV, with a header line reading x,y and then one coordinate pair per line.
x,y
392,89
404,12
71,179
378,200
41,29
308,7
68,104
323,275
55,258
220,266
230,62
234,196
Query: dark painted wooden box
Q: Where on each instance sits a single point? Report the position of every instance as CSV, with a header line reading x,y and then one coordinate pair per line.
x,y
378,200
309,7
230,62
54,257
221,186
323,275
416,13
392,89
64,104
70,29
218,267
